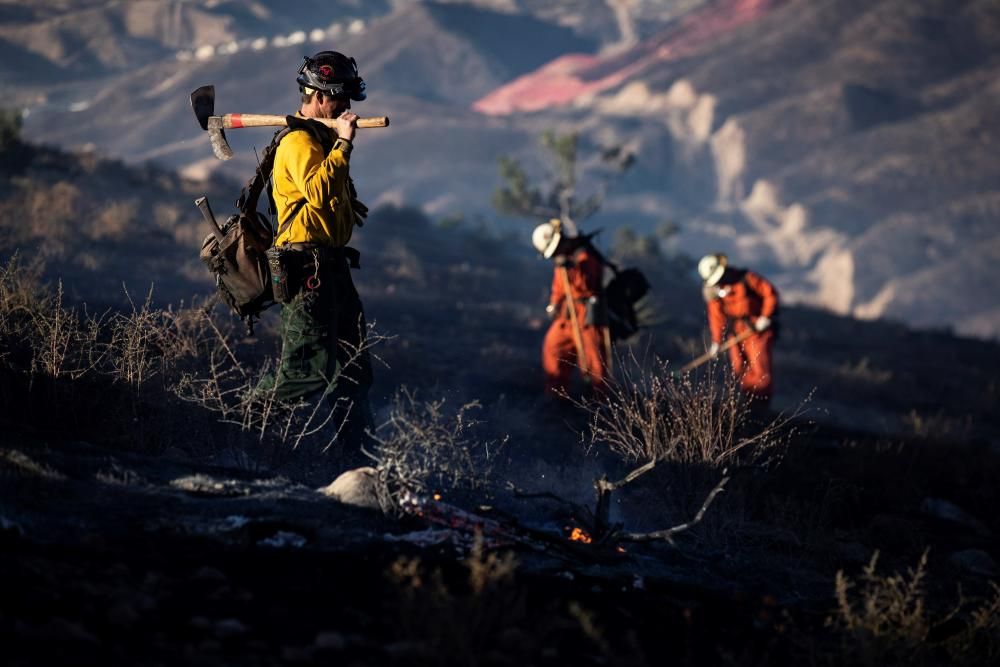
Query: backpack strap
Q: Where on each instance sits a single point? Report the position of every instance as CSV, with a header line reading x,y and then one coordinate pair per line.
x,y
283,227
588,243
250,195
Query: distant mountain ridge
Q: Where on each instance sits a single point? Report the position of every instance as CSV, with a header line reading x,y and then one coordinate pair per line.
x,y
844,148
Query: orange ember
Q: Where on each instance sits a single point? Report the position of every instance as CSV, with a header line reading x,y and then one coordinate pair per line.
x,y
437,496
579,535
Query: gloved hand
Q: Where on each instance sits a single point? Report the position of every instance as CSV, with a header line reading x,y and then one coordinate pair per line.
x,y
762,323
713,349
550,310
360,212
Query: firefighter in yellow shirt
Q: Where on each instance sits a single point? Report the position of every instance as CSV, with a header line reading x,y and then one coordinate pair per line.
x,y
323,325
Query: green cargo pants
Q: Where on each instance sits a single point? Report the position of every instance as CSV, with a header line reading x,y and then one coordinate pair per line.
x,y
323,336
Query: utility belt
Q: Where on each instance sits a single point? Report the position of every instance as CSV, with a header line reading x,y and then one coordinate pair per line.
x,y
326,253
298,265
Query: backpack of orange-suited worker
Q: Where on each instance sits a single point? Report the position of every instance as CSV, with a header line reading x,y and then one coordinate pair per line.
x,y
623,295
237,257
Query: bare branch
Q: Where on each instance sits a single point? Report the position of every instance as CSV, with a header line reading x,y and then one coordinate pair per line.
x,y
604,485
668,534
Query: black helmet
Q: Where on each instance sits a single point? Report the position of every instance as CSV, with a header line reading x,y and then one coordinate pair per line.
x,y
334,74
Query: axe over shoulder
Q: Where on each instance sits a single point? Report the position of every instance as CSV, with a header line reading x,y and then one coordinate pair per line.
x,y
203,103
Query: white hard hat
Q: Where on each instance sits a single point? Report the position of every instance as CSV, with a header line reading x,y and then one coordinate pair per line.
x,y
711,268
546,238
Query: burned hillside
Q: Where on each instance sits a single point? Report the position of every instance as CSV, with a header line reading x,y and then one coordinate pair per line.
x,y
146,515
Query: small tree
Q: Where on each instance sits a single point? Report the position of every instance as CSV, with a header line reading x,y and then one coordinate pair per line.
x,y
558,198
10,128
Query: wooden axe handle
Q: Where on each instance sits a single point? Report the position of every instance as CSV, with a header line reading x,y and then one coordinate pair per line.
x,y
235,120
569,302
705,358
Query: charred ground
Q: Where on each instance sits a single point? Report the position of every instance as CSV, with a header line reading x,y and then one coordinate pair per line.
x,y
138,528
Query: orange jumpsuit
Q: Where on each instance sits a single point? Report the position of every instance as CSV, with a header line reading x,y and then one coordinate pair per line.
x,y
586,274
738,304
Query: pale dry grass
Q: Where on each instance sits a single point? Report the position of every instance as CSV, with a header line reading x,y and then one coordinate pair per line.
x,y
884,619
461,622
888,614
938,425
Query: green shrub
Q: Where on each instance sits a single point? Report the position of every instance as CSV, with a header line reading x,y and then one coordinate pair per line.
x,y
10,128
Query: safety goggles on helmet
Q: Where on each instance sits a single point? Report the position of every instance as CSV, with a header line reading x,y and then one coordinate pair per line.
x,y
332,73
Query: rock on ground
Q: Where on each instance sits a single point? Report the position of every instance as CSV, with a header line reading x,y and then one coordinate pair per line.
x,y
354,487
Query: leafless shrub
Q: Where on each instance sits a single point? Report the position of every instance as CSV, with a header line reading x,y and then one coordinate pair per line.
x,y
423,446
71,342
137,342
68,358
187,330
246,397
700,426
19,292
79,370
65,342
650,414
34,326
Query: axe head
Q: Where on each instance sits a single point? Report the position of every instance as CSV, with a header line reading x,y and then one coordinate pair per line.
x,y
203,103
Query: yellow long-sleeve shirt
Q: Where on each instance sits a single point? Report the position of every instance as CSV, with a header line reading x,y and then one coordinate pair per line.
x,y
303,172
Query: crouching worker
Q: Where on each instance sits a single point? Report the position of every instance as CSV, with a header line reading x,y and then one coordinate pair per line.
x,y
578,333
322,322
741,302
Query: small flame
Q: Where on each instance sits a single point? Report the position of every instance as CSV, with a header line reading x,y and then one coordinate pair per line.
x,y
580,535
437,496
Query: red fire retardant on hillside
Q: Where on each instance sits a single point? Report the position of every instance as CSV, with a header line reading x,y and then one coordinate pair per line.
x,y
569,77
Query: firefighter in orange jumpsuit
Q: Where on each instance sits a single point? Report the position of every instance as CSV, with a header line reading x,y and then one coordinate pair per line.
x,y
738,300
574,338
